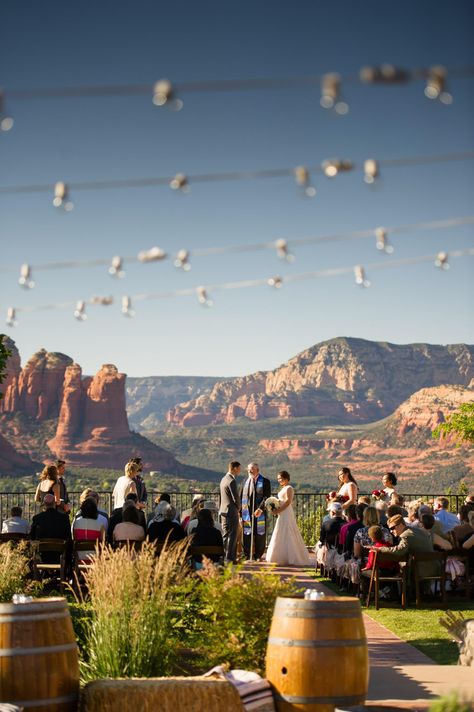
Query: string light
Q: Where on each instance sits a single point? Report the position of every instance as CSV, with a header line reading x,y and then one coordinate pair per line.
x,y
441,260
180,182
11,317
383,74
6,121
275,282
283,251
26,280
155,254
382,242
332,167
371,170
360,277
330,93
436,85
61,197
116,267
203,297
127,307
182,260
80,310
104,301
164,95
303,180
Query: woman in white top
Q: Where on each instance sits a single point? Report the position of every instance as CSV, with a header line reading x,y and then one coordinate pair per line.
x,y
286,547
125,484
347,487
389,483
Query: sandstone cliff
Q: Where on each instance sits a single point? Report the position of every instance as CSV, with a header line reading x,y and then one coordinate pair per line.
x,y
352,380
12,462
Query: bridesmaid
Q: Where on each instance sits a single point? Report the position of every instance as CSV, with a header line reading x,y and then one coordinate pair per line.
x,y
347,487
389,483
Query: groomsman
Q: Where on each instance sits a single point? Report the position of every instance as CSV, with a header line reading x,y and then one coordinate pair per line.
x,y
254,492
229,511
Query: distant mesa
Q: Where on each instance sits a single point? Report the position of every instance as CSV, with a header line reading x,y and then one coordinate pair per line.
x,y
350,380
92,427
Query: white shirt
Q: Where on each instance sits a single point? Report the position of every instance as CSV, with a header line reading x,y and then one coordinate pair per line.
x,y
123,486
15,525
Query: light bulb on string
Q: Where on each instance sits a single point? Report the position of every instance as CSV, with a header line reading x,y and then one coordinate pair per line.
x,y
436,85
11,317
371,171
180,182
6,121
61,197
80,310
102,301
381,241
332,167
383,74
275,282
360,276
442,260
164,95
127,307
283,251
116,267
303,180
330,94
182,260
26,281
154,254
203,297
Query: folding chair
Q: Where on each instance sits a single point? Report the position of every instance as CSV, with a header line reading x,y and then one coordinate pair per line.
x,y
13,536
50,546
209,551
377,576
80,565
418,557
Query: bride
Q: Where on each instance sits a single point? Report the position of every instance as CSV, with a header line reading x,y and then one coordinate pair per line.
x,y
286,546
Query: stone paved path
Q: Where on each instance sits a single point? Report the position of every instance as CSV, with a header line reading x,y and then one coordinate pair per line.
x,y
399,673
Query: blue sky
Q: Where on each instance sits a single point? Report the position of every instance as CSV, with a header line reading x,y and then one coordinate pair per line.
x,y
55,44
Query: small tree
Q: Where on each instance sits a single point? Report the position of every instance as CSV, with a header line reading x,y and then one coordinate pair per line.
x,y
460,424
4,355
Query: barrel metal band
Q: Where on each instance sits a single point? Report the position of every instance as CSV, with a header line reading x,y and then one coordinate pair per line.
x,y
335,699
34,617
44,703
320,606
12,652
317,614
291,643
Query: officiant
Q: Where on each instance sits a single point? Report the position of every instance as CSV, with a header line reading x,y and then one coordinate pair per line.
x,y
255,491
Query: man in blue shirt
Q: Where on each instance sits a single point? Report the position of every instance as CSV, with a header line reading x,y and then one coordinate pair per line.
x,y
447,519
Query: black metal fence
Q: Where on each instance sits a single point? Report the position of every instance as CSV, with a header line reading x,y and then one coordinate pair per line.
x,y
310,507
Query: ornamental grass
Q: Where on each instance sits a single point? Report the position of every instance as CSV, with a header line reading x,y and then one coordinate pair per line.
x,y
130,631
13,569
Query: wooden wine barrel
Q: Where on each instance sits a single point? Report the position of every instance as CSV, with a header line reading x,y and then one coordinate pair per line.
x,y
39,662
317,654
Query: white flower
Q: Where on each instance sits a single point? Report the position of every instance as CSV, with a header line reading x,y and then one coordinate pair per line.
x,y
272,503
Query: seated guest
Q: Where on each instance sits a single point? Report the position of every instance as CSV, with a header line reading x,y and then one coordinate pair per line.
x,y
330,528
427,522
377,538
351,518
447,519
353,528
213,508
129,529
206,534
88,492
381,507
50,524
188,514
88,527
411,541
465,528
362,539
398,500
364,499
164,497
162,528
15,524
116,517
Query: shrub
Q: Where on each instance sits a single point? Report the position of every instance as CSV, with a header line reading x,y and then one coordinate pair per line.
x,y
130,631
13,569
235,616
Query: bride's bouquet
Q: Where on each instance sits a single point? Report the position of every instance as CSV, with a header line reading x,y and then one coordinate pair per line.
x,y
272,504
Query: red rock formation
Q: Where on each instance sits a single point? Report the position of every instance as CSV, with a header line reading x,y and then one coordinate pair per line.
x,y
12,463
10,401
352,380
429,407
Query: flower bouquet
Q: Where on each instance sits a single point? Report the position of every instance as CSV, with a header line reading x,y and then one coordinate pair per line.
x,y
272,504
378,494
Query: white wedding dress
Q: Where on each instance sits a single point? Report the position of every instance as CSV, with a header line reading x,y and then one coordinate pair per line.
x,y
287,547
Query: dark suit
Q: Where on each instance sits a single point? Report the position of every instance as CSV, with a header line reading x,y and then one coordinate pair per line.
x,y
51,524
229,515
256,500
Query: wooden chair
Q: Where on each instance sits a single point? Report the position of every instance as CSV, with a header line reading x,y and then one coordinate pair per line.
x,y
79,565
209,551
52,546
13,536
377,575
429,556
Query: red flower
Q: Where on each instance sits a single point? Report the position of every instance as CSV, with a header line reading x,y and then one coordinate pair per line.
x,y
331,495
376,493
345,497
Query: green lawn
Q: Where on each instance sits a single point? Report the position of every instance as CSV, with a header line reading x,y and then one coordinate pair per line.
x,y
420,627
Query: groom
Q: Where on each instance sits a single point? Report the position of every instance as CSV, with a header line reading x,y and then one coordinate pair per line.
x,y
255,491
229,511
